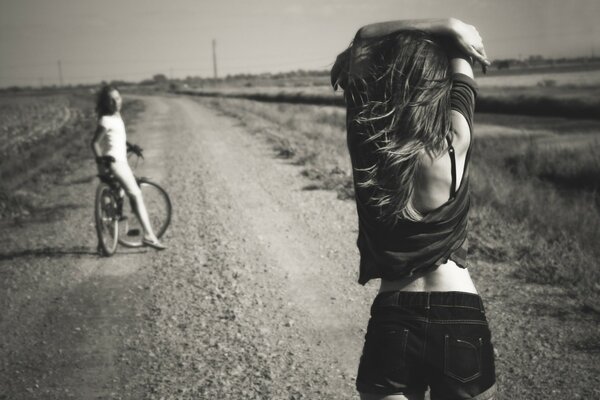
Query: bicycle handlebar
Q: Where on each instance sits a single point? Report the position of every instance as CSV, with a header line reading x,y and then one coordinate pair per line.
x,y
135,149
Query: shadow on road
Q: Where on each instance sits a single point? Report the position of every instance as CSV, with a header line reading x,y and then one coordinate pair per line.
x,y
57,252
48,252
78,181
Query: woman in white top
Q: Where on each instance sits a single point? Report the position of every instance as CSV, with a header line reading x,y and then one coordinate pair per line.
x,y
110,143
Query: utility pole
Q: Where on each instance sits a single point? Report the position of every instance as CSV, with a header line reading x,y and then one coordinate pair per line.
x,y
214,48
60,76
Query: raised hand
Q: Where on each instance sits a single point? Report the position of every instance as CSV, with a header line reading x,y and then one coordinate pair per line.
x,y
135,149
469,41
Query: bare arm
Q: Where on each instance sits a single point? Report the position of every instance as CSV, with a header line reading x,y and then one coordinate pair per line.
x,y
461,65
460,62
377,30
467,37
464,40
359,58
469,46
100,132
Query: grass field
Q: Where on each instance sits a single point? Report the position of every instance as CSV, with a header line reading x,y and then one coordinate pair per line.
x,y
581,78
574,94
536,201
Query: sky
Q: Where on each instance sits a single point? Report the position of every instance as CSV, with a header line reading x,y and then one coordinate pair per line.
x,y
135,39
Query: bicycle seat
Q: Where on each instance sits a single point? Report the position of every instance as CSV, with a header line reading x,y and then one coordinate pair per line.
x,y
109,179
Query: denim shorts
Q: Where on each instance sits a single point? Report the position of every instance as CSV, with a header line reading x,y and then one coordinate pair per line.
x,y
439,340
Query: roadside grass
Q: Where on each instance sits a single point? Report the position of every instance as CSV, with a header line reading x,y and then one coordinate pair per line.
x,y
567,166
305,135
501,101
546,94
519,215
50,157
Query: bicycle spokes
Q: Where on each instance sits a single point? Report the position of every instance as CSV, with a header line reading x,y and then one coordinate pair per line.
x,y
107,219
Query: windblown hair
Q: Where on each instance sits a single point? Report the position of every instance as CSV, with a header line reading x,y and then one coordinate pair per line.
x,y
404,110
105,104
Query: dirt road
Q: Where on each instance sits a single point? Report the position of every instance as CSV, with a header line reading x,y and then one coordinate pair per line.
x,y
256,296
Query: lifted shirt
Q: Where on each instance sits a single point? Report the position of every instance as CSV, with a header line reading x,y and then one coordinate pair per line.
x,y
408,247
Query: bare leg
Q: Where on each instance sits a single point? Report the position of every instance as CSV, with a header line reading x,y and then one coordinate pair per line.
x,y
139,208
123,173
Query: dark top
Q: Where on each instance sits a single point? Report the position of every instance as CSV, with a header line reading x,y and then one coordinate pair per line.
x,y
408,247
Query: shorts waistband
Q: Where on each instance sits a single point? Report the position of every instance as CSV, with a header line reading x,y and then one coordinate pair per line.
x,y
428,299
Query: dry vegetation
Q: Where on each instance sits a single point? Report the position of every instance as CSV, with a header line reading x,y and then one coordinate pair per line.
x,y
566,94
580,78
535,205
306,135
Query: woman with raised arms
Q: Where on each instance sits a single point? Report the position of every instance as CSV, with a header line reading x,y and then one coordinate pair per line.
x,y
410,97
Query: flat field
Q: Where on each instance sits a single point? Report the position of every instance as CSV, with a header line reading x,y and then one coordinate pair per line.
x,y
547,92
579,77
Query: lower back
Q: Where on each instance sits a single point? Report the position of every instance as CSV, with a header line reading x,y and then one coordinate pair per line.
x,y
448,277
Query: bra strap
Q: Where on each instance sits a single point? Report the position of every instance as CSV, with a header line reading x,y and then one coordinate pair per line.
x,y
453,170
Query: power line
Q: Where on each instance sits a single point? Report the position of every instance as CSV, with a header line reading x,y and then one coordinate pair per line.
x,y
214,53
60,75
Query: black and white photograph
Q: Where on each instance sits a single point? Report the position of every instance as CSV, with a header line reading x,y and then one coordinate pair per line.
x,y
299,199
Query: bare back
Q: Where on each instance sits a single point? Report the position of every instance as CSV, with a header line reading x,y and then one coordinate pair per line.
x,y
433,189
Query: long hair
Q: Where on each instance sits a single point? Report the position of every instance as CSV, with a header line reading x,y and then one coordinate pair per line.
x,y
403,112
105,104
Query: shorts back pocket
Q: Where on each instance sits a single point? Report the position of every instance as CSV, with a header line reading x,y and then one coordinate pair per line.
x,y
384,357
462,358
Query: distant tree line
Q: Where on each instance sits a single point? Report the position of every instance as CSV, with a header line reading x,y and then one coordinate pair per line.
x,y
299,77
539,61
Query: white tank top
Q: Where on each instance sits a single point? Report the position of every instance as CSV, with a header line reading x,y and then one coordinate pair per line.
x,y
114,142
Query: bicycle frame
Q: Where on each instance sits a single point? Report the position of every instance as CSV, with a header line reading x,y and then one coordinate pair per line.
x,y
119,216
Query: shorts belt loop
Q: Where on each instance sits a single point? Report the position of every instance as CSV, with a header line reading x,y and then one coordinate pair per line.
x,y
396,298
480,304
428,299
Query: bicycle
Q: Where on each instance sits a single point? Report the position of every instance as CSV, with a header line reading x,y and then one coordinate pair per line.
x,y
116,222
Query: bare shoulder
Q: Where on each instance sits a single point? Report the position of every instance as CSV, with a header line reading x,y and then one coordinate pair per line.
x,y
104,121
461,132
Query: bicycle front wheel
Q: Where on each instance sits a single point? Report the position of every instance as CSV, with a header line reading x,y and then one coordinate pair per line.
x,y
159,209
107,219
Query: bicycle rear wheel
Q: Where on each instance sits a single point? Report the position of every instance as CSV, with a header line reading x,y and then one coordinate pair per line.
x,y
107,219
159,209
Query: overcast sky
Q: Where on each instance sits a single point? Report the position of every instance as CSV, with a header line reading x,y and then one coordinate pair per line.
x,y
135,39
